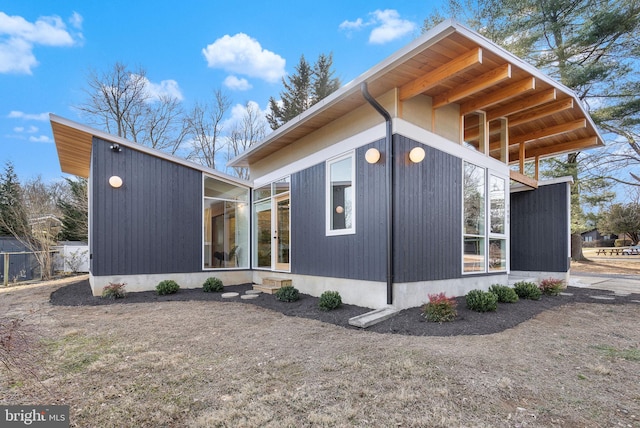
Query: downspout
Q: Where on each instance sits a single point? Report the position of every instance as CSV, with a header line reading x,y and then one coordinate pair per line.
x,y
389,185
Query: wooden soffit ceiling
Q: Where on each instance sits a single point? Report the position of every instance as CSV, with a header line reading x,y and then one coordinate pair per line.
x,y
452,64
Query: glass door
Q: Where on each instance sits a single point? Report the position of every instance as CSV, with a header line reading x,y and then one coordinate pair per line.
x,y
281,239
263,234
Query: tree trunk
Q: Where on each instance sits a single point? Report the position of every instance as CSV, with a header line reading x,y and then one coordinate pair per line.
x,y
576,248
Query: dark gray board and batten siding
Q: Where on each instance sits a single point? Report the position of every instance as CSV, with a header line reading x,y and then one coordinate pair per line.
x,y
539,229
428,213
153,223
427,226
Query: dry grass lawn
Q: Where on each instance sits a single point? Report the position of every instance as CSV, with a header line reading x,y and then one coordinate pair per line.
x,y
210,364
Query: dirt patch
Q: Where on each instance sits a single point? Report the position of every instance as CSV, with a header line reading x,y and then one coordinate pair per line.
x,y
180,361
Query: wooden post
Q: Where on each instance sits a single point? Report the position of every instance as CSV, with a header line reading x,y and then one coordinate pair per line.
x,y
6,269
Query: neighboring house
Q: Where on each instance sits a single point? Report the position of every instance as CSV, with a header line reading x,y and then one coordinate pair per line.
x,y
408,180
23,266
594,235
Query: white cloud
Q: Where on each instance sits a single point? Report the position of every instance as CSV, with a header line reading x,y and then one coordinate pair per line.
x,y
19,36
40,139
43,117
236,84
387,26
18,129
243,55
352,25
166,88
76,20
238,112
390,27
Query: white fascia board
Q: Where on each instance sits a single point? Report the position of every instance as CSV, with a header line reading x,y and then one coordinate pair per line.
x,y
147,150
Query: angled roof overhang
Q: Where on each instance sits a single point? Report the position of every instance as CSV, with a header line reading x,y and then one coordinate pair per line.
x,y
74,143
453,64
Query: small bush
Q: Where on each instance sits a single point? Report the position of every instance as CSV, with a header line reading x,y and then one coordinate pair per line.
x,y
114,291
503,293
481,301
329,300
552,286
168,286
212,284
288,293
440,308
527,290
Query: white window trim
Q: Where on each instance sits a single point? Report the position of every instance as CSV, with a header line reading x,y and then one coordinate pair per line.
x,y
488,171
328,209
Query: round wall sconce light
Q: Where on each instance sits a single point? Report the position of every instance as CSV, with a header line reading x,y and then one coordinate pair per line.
x,y
372,155
115,181
416,154
339,209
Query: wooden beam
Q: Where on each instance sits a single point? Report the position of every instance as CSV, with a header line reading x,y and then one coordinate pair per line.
x,y
444,72
549,132
540,112
478,84
568,147
521,105
521,178
521,157
513,90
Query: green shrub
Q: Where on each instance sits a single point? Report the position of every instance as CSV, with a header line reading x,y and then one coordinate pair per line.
x,y
527,290
552,286
114,291
440,308
329,300
503,293
481,301
288,293
168,286
212,284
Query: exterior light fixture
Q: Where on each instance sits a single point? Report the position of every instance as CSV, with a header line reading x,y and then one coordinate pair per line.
x,y
115,181
372,155
339,209
115,148
416,154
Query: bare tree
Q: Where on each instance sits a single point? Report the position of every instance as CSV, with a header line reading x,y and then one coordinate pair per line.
x,y
204,126
38,227
120,102
248,131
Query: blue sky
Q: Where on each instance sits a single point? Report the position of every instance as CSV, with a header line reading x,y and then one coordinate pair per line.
x,y
189,49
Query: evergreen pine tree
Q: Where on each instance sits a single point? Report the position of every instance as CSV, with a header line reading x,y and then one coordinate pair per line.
x,y
74,212
302,89
12,213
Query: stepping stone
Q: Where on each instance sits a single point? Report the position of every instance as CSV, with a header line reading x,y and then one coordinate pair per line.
x,y
230,295
562,293
253,292
603,297
249,296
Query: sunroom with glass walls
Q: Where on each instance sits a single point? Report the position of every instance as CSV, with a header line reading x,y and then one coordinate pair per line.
x,y
225,225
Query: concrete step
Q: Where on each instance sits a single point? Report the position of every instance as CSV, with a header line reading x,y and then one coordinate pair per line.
x,y
373,317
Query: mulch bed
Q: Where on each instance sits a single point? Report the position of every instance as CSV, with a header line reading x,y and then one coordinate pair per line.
x,y
407,322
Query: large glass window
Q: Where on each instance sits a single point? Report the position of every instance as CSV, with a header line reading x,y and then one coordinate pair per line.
x,y
485,221
474,218
226,225
340,195
497,224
